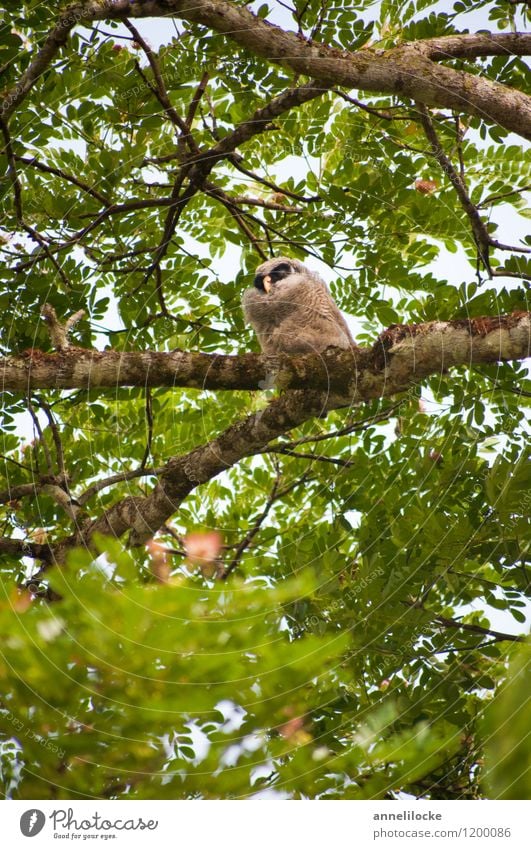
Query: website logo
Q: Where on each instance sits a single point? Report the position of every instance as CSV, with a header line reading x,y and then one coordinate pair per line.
x,y
32,822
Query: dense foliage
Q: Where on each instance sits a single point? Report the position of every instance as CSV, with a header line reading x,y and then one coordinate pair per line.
x,y
375,563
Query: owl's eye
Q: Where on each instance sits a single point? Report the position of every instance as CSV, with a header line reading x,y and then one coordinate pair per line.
x,y
280,271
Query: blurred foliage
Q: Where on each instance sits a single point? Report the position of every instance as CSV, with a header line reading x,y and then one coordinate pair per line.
x,y
508,743
348,655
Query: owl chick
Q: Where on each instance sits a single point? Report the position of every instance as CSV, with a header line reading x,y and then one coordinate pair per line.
x,y
292,311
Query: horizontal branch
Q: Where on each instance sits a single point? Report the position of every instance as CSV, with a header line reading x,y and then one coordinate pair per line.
x,y
23,548
18,491
475,45
401,355
499,636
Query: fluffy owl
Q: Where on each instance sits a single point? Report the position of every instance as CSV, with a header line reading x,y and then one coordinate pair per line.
x,y
292,311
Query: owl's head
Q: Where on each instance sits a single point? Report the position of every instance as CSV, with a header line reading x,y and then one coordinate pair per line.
x,y
273,271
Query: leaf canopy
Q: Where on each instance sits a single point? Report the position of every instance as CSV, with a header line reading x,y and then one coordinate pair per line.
x,y
378,561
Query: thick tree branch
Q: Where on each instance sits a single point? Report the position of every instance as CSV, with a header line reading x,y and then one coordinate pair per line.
x,y
401,355
474,45
17,492
22,548
63,498
56,39
59,332
257,123
14,493
142,517
407,70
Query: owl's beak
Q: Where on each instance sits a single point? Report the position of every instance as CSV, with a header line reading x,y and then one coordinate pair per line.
x,y
267,283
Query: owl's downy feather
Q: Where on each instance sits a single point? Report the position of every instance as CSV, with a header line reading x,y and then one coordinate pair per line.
x,y
292,311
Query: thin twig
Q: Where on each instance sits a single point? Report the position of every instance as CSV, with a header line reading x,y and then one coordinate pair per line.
x,y
149,420
235,213
268,228
348,429
336,461
515,390
55,436
386,116
492,198
478,629
470,576
459,135
244,200
178,203
194,103
118,478
36,236
275,495
501,272
33,162
41,438
20,465
237,163
481,236
12,170
159,90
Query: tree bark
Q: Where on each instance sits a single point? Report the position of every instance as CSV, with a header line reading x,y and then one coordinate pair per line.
x,y
402,354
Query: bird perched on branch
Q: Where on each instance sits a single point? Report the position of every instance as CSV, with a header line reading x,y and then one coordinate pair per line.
x,y
292,311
